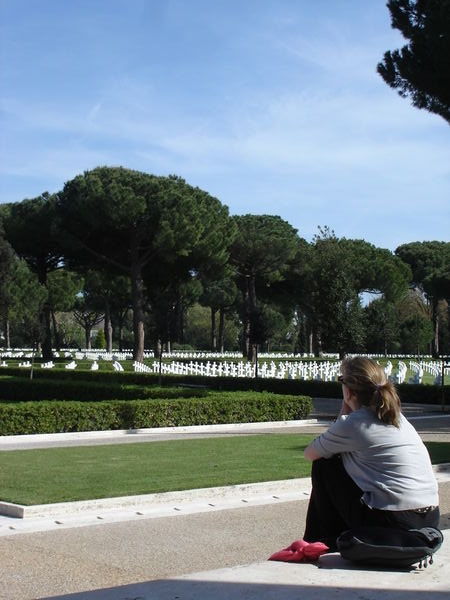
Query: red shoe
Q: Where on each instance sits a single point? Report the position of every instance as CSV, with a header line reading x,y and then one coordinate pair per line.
x,y
301,551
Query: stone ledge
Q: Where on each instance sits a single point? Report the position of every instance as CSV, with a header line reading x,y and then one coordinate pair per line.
x,y
183,497
242,491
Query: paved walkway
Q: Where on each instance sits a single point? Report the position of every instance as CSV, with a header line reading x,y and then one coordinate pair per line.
x,y
331,578
125,560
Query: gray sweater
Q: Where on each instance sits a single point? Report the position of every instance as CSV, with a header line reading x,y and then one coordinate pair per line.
x,y
391,465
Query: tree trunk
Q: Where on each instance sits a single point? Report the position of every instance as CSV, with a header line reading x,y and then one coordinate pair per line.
x,y
317,343
137,300
157,348
119,338
435,341
108,327
180,311
55,331
251,310
47,353
87,336
221,329
169,330
6,332
45,317
245,336
213,330
121,316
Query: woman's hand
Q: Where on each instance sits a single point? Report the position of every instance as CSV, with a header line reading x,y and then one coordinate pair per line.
x,y
311,454
346,409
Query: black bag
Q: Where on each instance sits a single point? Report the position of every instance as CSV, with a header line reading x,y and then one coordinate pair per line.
x,y
389,547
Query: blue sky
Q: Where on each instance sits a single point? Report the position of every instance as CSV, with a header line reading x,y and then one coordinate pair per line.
x,y
273,106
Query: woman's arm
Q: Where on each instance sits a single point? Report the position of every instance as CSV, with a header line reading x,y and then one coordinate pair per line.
x,y
310,453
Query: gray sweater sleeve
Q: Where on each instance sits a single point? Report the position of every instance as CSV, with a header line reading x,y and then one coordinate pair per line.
x,y
340,437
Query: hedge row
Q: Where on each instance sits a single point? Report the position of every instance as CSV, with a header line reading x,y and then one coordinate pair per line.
x,y
421,394
54,417
18,389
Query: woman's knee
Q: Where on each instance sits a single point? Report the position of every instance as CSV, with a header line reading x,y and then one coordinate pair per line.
x,y
323,466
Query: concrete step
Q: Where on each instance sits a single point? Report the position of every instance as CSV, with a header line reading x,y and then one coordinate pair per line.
x,y
331,577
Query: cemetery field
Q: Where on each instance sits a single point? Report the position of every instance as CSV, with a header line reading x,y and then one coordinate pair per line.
x,y
68,474
402,370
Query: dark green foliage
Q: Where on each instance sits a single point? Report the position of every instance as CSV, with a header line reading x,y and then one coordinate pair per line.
x,y
244,407
424,394
220,293
430,266
129,221
201,332
30,229
53,417
58,417
416,334
339,271
382,327
15,389
197,385
21,296
421,69
261,253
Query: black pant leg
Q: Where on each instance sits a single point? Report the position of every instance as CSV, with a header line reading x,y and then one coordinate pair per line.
x,y
335,502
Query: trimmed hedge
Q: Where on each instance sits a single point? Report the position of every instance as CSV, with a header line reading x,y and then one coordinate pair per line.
x,y
424,394
18,389
66,416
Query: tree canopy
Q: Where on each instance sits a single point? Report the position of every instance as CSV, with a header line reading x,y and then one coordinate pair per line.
x,y
261,252
30,229
129,219
129,246
421,69
430,266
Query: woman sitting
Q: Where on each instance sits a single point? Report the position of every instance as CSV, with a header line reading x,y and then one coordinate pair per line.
x,y
370,467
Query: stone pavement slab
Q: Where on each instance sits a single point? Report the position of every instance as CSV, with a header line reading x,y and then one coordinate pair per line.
x,y
330,578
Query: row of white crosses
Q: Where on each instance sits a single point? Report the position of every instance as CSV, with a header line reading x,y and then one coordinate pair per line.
x,y
432,367
398,377
388,368
418,371
141,368
402,371
321,371
101,354
48,365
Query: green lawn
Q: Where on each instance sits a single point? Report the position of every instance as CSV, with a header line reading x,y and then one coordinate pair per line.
x,y
86,472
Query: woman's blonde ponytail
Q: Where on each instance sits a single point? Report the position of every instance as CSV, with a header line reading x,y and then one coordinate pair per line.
x,y
368,381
